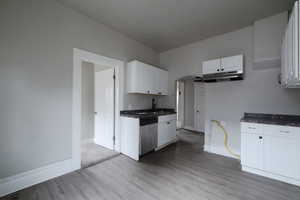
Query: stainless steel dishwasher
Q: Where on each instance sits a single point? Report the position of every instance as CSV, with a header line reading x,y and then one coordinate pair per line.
x,y
148,134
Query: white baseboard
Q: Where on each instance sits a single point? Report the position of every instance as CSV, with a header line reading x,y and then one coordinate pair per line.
x,y
190,128
26,179
218,152
163,146
86,141
271,175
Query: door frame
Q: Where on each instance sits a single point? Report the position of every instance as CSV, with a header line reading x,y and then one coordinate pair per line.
x,y
78,57
180,102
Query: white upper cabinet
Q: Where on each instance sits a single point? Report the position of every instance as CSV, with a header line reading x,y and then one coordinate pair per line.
x,y
143,78
161,82
226,64
211,66
268,34
290,73
232,63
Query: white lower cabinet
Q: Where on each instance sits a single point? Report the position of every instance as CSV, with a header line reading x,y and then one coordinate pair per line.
x,y
252,146
166,130
282,156
272,151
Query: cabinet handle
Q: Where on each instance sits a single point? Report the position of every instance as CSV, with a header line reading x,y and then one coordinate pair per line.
x,y
260,137
168,122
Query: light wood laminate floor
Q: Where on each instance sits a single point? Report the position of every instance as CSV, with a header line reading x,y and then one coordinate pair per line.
x,y
92,154
179,172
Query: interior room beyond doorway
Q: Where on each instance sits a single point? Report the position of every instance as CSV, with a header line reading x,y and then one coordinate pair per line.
x,y
97,128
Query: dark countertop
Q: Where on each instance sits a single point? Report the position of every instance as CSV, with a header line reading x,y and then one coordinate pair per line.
x,y
283,120
147,113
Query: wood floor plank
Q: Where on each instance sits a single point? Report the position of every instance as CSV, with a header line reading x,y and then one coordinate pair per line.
x,y
179,171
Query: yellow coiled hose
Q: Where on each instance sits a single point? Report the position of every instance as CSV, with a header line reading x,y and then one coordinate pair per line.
x,y
226,139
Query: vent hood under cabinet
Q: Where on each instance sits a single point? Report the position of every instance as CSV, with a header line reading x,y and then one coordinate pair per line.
x,y
227,68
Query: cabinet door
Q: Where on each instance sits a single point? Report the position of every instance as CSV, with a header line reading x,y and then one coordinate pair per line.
x,y
148,78
282,156
232,63
161,82
284,71
140,78
252,150
211,66
172,130
162,134
295,15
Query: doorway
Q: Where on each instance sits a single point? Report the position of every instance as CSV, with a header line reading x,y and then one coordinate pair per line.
x,y
190,98
97,101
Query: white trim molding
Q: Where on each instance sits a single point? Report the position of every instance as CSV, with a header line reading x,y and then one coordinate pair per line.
x,y
271,175
167,144
218,151
190,128
78,57
26,179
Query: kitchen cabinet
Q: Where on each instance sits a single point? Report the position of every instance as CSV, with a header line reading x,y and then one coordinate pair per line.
x,y
161,82
272,151
268,34
225,64
252,146
211,66
278,154
290,73
232,63
138,138
166,130
143,78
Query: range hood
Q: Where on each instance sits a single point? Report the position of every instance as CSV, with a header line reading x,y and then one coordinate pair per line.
x,y
224,76
223,69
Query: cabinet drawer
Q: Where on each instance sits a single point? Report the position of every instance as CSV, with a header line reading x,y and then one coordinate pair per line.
x,y
166,118
251,128
282,131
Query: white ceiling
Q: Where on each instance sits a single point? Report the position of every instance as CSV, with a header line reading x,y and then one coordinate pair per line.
x,y
166,24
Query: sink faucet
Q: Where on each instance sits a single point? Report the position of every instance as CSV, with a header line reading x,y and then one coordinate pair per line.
x,y
153,104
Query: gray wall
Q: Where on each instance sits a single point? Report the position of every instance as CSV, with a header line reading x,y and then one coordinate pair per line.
x,y
87,101
188,104
36,61
227,101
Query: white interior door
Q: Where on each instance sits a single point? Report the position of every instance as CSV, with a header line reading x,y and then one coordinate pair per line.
x,y
199,104
180,104
104,108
